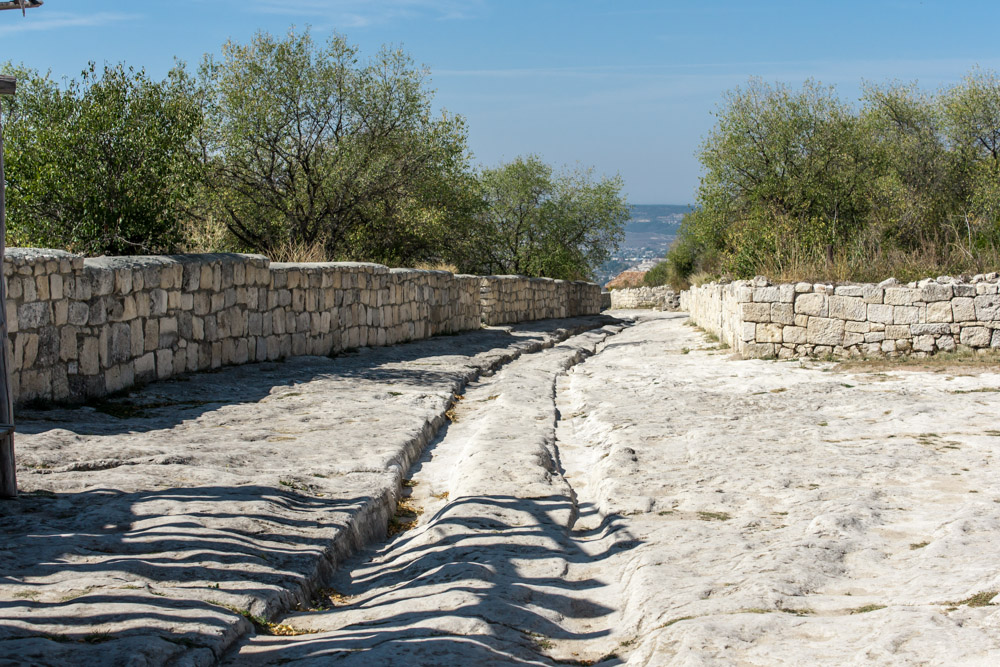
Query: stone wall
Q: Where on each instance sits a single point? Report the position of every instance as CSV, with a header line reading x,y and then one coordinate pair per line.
x,y
507,299
82,328
859,320
660,298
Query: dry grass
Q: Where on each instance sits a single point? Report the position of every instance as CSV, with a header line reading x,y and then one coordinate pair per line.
x,y
436,266
299,251
964,362
209,235
405,518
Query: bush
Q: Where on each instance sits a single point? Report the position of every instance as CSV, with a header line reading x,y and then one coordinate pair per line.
x,y
799,185
102,166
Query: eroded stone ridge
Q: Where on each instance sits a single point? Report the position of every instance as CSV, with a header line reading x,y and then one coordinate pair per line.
x,y
85,327
759,319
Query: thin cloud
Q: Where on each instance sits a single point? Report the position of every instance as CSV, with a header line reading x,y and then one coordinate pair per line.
x,y
39,21
362,13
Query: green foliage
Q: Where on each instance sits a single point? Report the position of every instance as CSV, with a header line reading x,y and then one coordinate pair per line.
x,y
296,149
100,166
658,275
305,144
540,223
799,185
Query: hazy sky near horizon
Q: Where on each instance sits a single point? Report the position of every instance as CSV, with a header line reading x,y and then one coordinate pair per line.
x,y
626,86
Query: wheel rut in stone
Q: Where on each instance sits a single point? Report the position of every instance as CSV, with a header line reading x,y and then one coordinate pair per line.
x,y
497,569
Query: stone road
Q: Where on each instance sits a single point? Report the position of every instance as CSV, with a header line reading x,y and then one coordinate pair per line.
x,y
632,494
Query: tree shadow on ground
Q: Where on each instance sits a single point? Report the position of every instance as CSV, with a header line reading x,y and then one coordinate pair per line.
x,y
164,404
467,595
162,572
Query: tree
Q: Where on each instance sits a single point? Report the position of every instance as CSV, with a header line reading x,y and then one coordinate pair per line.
x,y
539,223
101,166
306,145
971,112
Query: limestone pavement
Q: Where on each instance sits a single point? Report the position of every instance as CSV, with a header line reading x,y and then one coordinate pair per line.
x,y
632,494
155,529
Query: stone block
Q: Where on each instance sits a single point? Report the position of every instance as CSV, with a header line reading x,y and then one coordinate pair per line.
x,y
905,315
857,327
849,290
975,336
164,363
757,350
848,308
42,288
946,343
138,343
900,296
923,343
897,331
90,362
825,331
102,281
872,294
748,331
33,315
987,307
56,286
851,339
766,294
782,313
120,343
930,329
812,304
145,366
964,290
963,309
768,333
793,335
880,313
932,292
939,311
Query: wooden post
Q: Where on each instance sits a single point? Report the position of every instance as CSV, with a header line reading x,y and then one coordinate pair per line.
x,y
8,476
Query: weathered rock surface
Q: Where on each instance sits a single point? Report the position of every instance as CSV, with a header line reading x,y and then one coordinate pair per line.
x,y
495,572
152,539
786,514
640,498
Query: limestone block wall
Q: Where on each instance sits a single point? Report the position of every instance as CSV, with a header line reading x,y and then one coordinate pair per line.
x,y
86,327
507,299
888,319
660,298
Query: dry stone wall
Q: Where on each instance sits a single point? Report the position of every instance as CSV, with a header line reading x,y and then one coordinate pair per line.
x,y
82,328
759,319
660,298
507,299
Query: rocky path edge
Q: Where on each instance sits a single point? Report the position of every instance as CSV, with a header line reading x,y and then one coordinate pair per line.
x,y
222,501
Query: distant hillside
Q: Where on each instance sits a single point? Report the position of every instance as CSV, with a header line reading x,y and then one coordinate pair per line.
x,y
656,218
648,234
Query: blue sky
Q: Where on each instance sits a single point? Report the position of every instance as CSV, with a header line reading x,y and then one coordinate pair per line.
x,y
624,86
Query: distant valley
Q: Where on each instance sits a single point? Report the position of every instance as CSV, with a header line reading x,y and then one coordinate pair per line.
x,y
649,233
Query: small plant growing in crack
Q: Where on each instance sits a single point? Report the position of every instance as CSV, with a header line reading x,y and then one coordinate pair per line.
x,y
540,640
977,600
867,608
714,516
